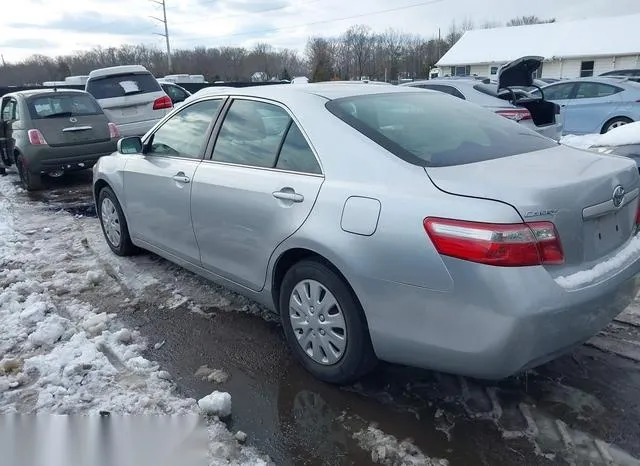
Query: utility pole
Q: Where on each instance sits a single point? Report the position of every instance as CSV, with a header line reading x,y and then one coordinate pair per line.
x,y
166,29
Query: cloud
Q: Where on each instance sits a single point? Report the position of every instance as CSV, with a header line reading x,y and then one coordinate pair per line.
x,y
92,22
32,43
244,6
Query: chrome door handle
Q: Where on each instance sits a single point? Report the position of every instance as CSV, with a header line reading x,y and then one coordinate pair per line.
x,y
180,177
288,196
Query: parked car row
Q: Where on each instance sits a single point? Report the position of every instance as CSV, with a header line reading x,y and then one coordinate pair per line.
x,y
413,234
51,131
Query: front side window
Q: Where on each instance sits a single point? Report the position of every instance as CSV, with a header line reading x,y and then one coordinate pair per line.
x,y
430,129
63,105
558,91
9,111
122,85
185,134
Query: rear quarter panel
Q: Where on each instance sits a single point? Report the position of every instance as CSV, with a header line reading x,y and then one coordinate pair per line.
x,y
399,250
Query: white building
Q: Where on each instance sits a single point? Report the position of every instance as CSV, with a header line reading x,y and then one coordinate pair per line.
x,y
571,49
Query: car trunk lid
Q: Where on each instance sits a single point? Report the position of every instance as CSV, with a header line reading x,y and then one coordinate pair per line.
x,y
572,188
70,131
132,108
519,73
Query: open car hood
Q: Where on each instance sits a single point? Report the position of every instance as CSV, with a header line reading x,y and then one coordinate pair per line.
x,y
519,72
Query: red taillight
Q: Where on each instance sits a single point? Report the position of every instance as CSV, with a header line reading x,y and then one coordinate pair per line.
x,y
516,114
506,245
163,103
36,138
638,215
114,132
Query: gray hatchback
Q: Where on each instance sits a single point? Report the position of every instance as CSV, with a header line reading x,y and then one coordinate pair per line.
x,y
49,132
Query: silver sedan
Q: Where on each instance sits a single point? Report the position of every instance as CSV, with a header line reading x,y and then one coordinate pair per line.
x,y
383,223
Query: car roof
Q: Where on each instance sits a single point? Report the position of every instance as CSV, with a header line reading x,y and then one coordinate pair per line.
x,y
617,80
327,90
115,70
60,90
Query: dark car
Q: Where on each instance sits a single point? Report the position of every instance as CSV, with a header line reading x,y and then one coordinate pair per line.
x,y
633,74
51,131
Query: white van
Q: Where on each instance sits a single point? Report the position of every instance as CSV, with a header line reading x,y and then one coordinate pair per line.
x,y
130,97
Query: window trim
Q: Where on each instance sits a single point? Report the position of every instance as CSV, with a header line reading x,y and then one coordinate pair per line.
x,y
147,139
216,132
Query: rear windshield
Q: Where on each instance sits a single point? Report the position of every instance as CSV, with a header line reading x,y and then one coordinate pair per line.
x,y
63,105
122,85
436,130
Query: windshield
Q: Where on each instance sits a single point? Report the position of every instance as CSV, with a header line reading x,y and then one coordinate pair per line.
x,y
63,105
436,130
122,85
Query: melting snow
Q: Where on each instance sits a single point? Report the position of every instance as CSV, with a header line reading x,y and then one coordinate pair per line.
x,y
216,404
620,136
627,254
61,355
386,449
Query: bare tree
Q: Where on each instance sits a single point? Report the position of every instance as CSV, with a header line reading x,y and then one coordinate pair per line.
x,y
525,20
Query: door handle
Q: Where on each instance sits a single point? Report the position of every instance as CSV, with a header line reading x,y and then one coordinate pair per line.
x,y
180,177
288,196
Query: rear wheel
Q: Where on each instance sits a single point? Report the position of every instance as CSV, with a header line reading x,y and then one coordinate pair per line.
x,y
324,324
615,123
114,224
30,181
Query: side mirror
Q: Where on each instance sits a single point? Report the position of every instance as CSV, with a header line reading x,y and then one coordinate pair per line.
x,y
130,145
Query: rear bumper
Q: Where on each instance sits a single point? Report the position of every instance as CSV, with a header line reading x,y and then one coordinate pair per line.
x,y
46,158
496,322
139,128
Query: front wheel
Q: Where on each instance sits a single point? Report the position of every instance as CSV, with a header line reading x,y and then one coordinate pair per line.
x,y
615,123
114,224
324,324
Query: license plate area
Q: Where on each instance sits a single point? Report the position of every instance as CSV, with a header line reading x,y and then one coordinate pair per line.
x,y
606,233
129,111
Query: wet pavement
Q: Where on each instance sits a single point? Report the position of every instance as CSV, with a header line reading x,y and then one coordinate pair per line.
x,y
583,408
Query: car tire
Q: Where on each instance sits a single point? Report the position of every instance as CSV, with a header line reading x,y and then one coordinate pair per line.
x,y
114,224
614,123
356,357
29,180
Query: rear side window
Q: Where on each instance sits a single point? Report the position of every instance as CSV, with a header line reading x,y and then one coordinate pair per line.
x,y
122,85
296,155
589,90
63,105
435,131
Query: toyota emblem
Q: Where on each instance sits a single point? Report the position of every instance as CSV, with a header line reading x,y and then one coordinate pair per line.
x,y
618,196
73,120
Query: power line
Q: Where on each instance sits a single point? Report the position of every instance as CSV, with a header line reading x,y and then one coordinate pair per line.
x,y
166,29
237,15
361,15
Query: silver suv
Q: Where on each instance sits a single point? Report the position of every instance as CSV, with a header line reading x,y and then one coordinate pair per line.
x,y
130,97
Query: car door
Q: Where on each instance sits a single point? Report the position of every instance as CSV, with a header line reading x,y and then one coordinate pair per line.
x,y
157,183
593,103
9,113
258,188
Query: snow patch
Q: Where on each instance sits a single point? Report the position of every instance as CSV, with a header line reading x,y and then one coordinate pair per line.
x,y
580,141
621,136
216,404
386,449
626,255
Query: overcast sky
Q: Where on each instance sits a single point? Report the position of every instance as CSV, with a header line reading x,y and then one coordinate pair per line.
x,y
53,27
